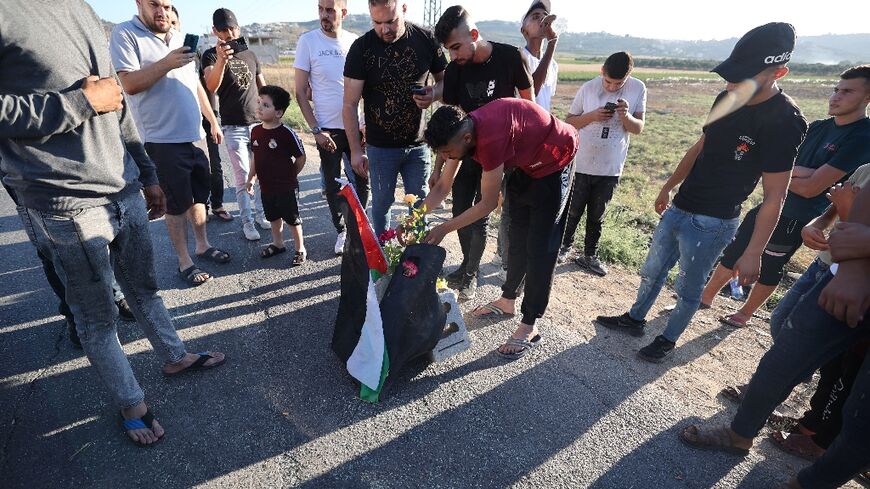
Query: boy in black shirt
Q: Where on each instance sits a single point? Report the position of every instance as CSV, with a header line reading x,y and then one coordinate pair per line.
x,y
755,134
479,72
278,157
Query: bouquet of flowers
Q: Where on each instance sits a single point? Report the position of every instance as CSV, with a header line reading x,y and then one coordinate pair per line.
x,y
412,229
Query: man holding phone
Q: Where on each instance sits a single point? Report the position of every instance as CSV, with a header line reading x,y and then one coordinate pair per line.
x,y
232,72
606,110
166,99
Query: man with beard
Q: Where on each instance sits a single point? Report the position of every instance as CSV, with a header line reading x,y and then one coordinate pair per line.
x,y
319,64
479,72
389,67
166,98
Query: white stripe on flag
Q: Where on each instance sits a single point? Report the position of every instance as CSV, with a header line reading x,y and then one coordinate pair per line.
x,y
367,359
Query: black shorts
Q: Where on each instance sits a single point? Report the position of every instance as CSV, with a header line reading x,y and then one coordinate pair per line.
x,y
784,242
184,173
282,205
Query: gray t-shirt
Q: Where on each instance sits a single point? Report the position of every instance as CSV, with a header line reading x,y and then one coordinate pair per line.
x,y
169,111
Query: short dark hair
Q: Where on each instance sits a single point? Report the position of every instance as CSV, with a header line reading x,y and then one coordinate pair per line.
x,y
175,11
860,71
618,65
452,18
444,124
280,97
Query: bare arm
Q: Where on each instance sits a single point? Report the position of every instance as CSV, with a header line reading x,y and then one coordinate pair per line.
x,y
207,112
442,186
817,182
847,296
633,123
144,78
775,186
301,86
433,93
540,74
214,74
680,174
490,186
526,94
350,116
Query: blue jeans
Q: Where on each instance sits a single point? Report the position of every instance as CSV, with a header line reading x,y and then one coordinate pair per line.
x,y
786,305
809,339
79,244
693,240
385,165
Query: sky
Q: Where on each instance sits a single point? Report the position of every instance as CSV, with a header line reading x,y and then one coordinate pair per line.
x,y
661,19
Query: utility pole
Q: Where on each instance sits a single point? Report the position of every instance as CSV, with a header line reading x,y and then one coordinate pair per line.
x,y
431,12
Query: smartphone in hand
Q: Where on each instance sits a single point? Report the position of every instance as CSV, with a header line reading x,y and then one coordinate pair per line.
x,y
238,45
610,107
418,89
191,41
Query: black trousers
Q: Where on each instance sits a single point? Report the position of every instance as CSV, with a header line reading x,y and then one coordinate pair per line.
x,y
825,416
590,193
466,193
331,165
216,184
538,213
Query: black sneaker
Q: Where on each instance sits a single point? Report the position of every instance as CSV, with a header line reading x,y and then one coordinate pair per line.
x,y
468,287
124,310
73,335
563,254
456,278
656,351
623,323
594,265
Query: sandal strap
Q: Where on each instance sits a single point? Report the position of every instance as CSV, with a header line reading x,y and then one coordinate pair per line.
x,y
203,357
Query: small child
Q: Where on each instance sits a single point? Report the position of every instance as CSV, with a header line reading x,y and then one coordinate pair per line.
x,y
278,159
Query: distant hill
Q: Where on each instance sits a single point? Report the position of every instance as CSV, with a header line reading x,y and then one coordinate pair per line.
x,y
827,49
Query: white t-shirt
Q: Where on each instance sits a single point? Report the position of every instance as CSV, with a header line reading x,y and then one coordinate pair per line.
x,y
323,58
168,112
604,145
544,97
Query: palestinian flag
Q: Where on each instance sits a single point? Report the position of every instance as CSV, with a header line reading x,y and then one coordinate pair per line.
x,y
358,338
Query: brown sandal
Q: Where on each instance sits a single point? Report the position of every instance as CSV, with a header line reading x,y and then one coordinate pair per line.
x,y
797,444
717,439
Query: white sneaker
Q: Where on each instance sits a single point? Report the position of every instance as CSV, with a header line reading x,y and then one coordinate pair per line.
x,y
339,243
263,223
250,231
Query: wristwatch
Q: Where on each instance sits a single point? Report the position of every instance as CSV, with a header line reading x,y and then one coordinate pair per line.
x,y
315,130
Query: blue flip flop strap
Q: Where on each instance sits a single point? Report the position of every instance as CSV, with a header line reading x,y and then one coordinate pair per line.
x,y
133,424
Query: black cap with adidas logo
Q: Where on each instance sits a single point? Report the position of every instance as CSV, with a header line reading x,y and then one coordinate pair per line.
x,y
765,46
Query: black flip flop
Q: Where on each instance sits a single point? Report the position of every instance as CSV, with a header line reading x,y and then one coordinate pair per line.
x,y
190,273
215,255
199,364
146,421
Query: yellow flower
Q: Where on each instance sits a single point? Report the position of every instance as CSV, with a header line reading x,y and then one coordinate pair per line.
x,y
410,199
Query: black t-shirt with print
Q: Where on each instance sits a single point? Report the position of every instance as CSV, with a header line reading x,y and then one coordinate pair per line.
x,y
472,86
237,93
392,118
755,139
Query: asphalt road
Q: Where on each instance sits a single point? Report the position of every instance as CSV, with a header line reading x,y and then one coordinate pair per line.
x,y
283,411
